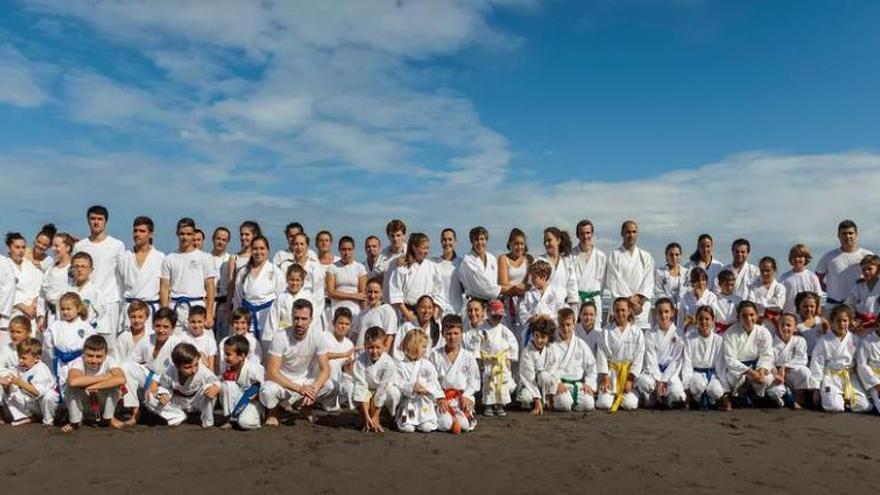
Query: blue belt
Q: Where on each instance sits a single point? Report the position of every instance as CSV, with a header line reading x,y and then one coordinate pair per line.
x,y
254,310
833,301
154,304
62,357
149,381
752,363
663,367
709,373
185,300
245,399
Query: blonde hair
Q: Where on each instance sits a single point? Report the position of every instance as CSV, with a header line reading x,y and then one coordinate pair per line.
x,y
81,309
800,250
413,340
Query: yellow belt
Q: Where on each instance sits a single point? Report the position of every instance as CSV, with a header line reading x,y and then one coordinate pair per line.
x,y
849,393
496,371
621,368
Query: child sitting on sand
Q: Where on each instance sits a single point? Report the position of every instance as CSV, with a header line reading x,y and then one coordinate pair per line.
x,y
536,366
702,368
93,383
575,367
459,377
420,391
375,380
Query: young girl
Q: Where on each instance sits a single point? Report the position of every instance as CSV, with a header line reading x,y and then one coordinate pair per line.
x,y
247,232
619,359
376,314
588,329
63,340
792,377
281,311
27,279
812,325
425,310
669,279
536,366
375,380
346,280
459,377
728,302
768,294
798,279
447,264
748,355
56,281
513,270
702,365
557,246
697,295
575,368
476,319
257,286
702,258
542,299
498,349
420,392
659,382
868,362
413,276
834,366
864,298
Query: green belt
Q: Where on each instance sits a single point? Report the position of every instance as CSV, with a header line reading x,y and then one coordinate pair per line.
x,y
574,390
588,295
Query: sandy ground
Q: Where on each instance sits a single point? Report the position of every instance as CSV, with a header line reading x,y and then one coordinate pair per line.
x,y
747,451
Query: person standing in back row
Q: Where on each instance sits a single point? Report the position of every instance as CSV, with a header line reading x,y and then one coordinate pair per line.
x,y
106,252
839,269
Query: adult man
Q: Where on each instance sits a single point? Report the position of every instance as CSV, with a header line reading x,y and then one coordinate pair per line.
x,y
838,269
106,251
138,270
746,273
630,274
589,266
187,277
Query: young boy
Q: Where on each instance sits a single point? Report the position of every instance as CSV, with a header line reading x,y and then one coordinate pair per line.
x,y
18,330
341,358
138,315
459,376
91,295
187,277
31,390
92,382
541,299
703,362
834,359
868,363
200,337
659,381
575,367
376,314
792,377
587,329
536,366
728,301
185,387
240,385
498,349
375,380
241,321
864,298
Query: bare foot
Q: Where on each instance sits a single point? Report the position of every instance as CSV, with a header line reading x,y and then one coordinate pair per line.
x,y
69,428
118,424
21,422
226,426
272,421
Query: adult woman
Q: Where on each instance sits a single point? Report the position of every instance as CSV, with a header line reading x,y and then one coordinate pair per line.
x,y
702,257
513,269
258,284
447,264
346,281
557,248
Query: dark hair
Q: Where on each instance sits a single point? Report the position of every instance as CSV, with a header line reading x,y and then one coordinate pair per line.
x,y
451,321
253,226
185,222
95,343
564,313
98,210
240,313
583,223
198,311
698,274
741,242
376,280
395,225
221,229
454,237
837,310
184,353
293,225
477,232
301,304
564,239
21,320
415,240
744,305
726,276
672,245
200,232
260,238
166,314
12,237
372,237
239,344
345,239
589,303
304,236
82,255
48,230
768,259
798,299
705,309
296,268
695,257
847,224
142,220
664,300
514,233
629,305
541,269
544,325
341,312
374,333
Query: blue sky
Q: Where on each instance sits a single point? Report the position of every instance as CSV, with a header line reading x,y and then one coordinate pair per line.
x,y
742,118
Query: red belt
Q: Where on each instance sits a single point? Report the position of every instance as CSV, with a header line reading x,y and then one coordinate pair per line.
x,y
722,327
867,320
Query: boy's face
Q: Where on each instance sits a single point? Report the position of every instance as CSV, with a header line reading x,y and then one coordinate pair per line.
x,y
97,223
17,333
190,368
539,281
726,286
185,237
199,240
141,235
220,240
767,272
81,270
798,262
68,310
138,320
540,340
294,282
372,248
28,361
566,328
374,294
94,359
748,317
588,317
705,324
740,254
397,239
341,327
322,242
163,329
232,358
300,246
240,326
375,348
664,314
196,324
786,328
452,336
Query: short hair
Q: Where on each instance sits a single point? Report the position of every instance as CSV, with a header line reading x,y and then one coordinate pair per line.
x,y
21,321
745,304
565,313
301,304
543,325
324,232
221,229
662,301
304,236
451,321
800,250
741,242
627,223
239,344
870,259
293,226
296,268
82,255
847,224
768,259
476,232
788,315
371,237
342,312
166,314
395,225
29,347
14,236
802,296
346,239
185,222
138,305
584,223
98,210
240,314
184,353
698,274
95,343
412,340
373,334
197,311
145,221
726,276
541,269
839,310
705,309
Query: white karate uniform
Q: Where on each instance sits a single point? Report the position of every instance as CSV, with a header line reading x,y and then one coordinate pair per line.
x,y
23,405
457,378
231,392
284,258
383,316
77,400
450,285
56,281
746,276
865,301
281,316
377,381
206,343
669,286
575,367
620,345
592,338
258,291
143,367
125,344
841,272
772,298
7,290
140,282
536,378
342,381
105,257
434,341
664,353
687,308
868,365
478,279
797,282
712,270
741,347
417,412
631,273
792,356
589,274
346,278
314,284
98,310
811,334
726,311
833,367
535,302
496,347
187,274
385,265
408,283
702,368
28,279
63,342
563,277
299,364
187,396
255,353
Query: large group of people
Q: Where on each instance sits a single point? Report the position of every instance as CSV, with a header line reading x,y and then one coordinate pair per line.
x,y
91,331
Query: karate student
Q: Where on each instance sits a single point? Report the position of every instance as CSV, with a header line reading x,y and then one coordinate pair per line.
x,y
91,295
281,311
513,277
748,355
397,242
56,280
536,366
38,253
727,302
341,357
630,274
222,302
346,279
660,381
372,250
768,294
19,329
63,340
868,363
478,271
557,252
187,277
541,299
199,239
186,387
28,279
459,377
312,281
670,280
838,270
420,392
425,310
297,367
201,337
799,278
375,380
588,328
413,276
792,378
864,298
257,286
588,264
7,291
702,258
150,358
812,325
697,295
498,349
240,322
105,252
375,314
285,257
240,385
92,382
575,367
702,369
31,390
745,273
247,232
139,270
833,366
619,359
447,264
135,330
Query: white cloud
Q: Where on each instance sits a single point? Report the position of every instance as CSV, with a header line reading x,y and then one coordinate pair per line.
x,y
20,80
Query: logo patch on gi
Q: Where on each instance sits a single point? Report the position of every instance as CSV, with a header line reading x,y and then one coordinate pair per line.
x,y
194,264
167,362
30,379
81,333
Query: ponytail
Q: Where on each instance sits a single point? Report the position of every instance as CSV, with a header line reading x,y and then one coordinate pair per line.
x,y
564,240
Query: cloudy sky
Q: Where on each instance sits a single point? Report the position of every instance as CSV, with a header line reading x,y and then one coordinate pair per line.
x,y
747,118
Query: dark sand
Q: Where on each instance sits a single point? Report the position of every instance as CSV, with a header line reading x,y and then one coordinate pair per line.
x,y
749,451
